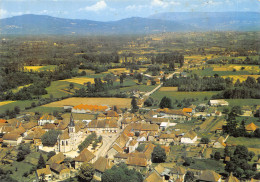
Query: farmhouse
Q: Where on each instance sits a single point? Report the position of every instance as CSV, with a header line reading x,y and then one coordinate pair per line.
x,y
251,127
218,103
46,172
209,175
103,126
189,137
220,142
12,139
100,166
84,156
174,114
84,108
46,118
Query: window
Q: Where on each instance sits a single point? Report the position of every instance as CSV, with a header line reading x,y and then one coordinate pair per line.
x,y
62,143
66,142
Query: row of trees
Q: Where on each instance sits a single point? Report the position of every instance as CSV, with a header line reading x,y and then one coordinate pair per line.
x,y
195,83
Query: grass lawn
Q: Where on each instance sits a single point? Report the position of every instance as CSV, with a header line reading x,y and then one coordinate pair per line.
x,y
248,142
141,88
182,95
21,104
56,89
209,72
42,109
208,164
245,102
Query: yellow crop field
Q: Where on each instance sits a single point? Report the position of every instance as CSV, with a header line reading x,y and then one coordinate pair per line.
x,y
80,81
241,77
6,102
120,102
253,69
34,68
199,57
169,89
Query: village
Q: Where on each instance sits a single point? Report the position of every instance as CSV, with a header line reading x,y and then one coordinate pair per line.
x,y
123,136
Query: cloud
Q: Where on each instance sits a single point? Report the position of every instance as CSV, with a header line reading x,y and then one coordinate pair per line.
x,y
101,5
159,3
3,13
136,7
163,3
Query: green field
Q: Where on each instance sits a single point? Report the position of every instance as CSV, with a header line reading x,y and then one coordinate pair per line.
x,y
20,104
183,95
41,109
243,102
209,72
207,164
48,68
248,142
56,89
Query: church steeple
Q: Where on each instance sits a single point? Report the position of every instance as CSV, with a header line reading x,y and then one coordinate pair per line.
x,y
71,124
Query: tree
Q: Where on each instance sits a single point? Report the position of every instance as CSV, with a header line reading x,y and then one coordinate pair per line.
x,y
50,137
217,156
120,173
23,150
158,154
148,102
50,154
17,109
86,172
165,103
41,162
71,86
189,177
134,105
187,161
121,79
139,77
204,140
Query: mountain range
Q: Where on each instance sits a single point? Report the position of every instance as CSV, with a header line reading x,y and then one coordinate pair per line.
x,y
163,22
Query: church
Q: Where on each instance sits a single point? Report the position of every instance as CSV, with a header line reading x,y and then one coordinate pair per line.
x,y
70,138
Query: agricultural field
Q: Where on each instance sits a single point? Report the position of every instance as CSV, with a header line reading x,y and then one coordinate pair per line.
x,y
248,142
120,102
80,80
42,109
241,77
40,68
59,89
5,102
168,89
245,102
183,95
11,105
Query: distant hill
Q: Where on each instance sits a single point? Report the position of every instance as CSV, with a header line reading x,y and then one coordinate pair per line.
x,y
219,21
164,22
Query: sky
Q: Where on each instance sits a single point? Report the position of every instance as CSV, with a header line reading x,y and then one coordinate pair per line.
x,y
112,10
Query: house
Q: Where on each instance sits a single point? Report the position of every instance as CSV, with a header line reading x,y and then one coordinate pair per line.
x,y
100,166
44,174
166,138
137,161
174,114
251,127
120,157
48,126
220,142
70,138
218,103
209,175
153,177
188,110
118,145
178,172
84,108
12,139
231,178
58,159
189,137
84,156
46,118
164,125
60,171
34,135
133,144
29,125
103,126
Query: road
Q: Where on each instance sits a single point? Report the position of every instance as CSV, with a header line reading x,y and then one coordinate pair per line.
x,y
159,86
107,141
